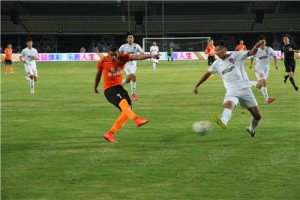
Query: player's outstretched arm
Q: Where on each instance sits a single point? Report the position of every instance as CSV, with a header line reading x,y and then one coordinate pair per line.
x,y
275,61
251,62
97,81
202,79
144,56
255,48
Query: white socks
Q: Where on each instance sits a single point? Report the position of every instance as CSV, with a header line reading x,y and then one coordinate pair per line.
x,y
226,115
265,93
133,87
31,81
253,124
154,66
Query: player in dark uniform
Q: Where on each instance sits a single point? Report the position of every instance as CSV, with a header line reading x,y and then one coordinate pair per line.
x,y
287,55
170,54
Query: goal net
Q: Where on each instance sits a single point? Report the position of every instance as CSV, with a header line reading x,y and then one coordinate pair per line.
x,y
181,44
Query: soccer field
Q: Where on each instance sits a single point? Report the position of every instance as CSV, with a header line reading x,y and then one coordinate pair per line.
x,y
52,144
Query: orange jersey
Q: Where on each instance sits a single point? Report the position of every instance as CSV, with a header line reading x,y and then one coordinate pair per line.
x,y
241,47
210,50
112,72
8,53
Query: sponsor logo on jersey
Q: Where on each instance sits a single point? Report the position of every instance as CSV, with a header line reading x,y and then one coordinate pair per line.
x,y
227,70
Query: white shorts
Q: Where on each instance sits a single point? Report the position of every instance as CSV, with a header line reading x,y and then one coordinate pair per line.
x,y
262,73
244,96
31,70
154,60
130,67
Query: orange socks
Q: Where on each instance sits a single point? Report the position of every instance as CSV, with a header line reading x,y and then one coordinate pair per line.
x,y
11,70
126,109
119,123
127,113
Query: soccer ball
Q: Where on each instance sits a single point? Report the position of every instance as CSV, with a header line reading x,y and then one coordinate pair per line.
x,y
202,127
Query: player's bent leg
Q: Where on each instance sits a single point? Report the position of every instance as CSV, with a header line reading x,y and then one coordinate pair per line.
x,y
226,114
291,76
31,84
258,85
119,123
11,69
133,87
256,116
126,109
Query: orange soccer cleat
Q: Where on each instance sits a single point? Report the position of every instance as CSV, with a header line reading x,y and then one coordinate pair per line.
x,y
109,136
140,121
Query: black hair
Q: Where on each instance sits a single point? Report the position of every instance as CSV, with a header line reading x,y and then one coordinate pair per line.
x,y
286,35
262,37
220,43
113,48
129,33
29,39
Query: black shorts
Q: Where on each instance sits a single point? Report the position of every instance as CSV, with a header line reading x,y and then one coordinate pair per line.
x,y
7,62
290,66
211,59
116,94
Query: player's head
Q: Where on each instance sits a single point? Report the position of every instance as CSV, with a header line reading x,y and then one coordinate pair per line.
x,y
220,49
129,37
262,39
113,52
210,42
286,38
154,43
29,42
9,45
241,41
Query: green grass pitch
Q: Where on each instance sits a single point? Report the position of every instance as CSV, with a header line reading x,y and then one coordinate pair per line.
x,y
52,145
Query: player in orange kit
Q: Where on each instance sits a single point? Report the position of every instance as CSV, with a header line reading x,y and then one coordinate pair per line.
x,y
210,51
111,67
8,59
241,46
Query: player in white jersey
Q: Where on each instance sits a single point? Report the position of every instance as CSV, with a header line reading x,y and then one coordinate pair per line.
x,y
262,67
231,69
131,67
154,50
29,56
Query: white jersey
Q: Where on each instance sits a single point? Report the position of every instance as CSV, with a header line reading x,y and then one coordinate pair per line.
x,y
133,49
28,55
232,71
262,57
154,50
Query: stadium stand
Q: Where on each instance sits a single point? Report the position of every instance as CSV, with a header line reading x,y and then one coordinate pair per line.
x,y
75,27
94,21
